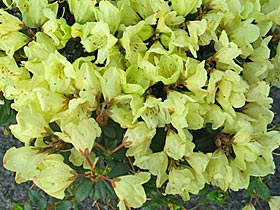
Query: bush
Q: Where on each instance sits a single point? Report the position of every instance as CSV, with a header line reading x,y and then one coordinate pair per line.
x,y
127,99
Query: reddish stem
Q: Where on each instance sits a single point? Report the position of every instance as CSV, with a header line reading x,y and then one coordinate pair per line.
x,y
117,148
86,155
105,178
92,166
100,147
259,204
85,175
131,165
97,206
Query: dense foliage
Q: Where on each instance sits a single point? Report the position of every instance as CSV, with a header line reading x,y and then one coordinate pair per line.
x,y
132,97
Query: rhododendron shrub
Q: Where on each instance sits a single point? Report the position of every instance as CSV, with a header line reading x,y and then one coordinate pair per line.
x,y
124,91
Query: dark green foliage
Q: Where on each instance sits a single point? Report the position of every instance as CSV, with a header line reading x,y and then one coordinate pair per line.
x,y
17,206
258,187
64,205
102,189
82,190
38,200
263,191
7,115
27,206
217,196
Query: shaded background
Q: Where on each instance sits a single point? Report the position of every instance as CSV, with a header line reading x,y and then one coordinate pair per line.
x,y
10,192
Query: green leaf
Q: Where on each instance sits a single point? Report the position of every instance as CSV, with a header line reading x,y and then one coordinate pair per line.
x,y
109,131
150,186
54,126
117,168
157,144
17,206
120,154
64,205
101,189
42,205
35,197
204,190
75,205
6,113
109,190
175,207
221,197
204,144
55,200
263,191
176,202
217,196
212,196
151,205
38,200
248,192
27,206
111,144
83,189
159,198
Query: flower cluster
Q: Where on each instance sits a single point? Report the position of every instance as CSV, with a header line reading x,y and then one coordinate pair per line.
x,y
183,66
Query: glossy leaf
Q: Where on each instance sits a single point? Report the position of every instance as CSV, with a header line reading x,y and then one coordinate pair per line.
x,y
101,190
38,199
217,196
27,206
17,207
64,205
263,190
248,192
82,190
7,114
117,168
109,131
